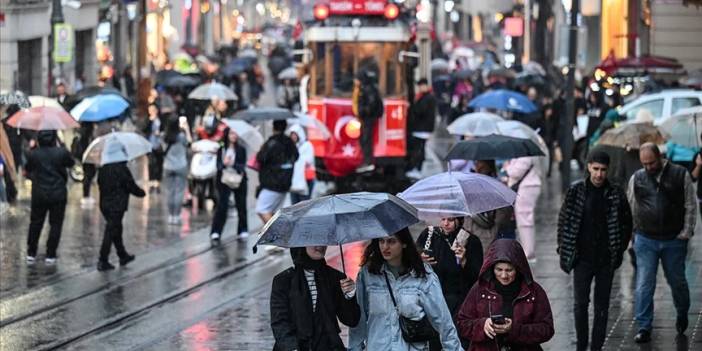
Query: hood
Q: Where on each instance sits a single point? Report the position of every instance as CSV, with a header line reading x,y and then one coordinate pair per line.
x,y
505,250
299,131
46,138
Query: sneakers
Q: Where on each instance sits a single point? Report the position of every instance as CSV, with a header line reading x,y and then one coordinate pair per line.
x,y
126,259
214,236
104,266
642,337
50,261
31,260
365,168
243,235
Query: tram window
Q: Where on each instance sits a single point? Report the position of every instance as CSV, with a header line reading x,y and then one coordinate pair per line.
x,y
344,68
319,76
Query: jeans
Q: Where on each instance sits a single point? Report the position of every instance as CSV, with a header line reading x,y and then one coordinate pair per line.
x,y
672,254
367,131
583,274
56,212
220,216
175,183
112,235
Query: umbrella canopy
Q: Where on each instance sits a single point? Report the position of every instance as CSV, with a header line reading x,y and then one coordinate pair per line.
x,y
250,53
90,92
439,64
534,67
39,101
504,100
249,136
338,219
212,90
180,81
502,72
99,108
315,128
42,118
265,114
15,98
476,124
464,74
530,79
116,147
493,147
632,135
518,129
457,194
288,73
163,75
685,127
237,66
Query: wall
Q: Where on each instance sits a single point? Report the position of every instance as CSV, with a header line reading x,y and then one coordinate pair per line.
x,y
676,31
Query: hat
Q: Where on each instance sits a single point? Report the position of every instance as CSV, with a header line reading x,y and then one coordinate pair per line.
x,y
598,156
422,81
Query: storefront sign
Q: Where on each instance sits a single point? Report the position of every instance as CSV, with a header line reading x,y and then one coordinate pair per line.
x,y
63,42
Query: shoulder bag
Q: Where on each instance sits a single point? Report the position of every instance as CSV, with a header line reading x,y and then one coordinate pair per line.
x,y
412,331
231,178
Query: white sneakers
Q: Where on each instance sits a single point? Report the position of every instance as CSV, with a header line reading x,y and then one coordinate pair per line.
x,y
214,236
243,235
31,260
50,261
87,202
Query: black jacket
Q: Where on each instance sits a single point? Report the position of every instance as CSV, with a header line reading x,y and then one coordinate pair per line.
x,y
277,157
290,310
570,219
116,183
660,206
423,113
46,166
239,161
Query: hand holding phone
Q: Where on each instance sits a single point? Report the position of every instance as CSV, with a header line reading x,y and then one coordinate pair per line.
x,y
498,319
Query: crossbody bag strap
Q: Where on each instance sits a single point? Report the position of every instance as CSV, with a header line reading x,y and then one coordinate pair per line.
x,y
387,283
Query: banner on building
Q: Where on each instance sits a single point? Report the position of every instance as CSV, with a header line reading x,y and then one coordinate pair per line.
x,y
63,43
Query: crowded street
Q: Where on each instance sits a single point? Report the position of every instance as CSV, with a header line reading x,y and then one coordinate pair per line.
x,y
333,175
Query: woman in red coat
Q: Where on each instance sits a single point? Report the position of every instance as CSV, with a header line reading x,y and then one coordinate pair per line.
x,y
521,324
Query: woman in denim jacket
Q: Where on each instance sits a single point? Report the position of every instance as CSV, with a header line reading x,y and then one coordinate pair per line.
x,y
417,291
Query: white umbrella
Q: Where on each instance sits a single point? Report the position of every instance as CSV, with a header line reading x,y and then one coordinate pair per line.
x,y
211,91
43,101
476,124
288,73
116,147
248,134
684,127
439,64
248,53
315,128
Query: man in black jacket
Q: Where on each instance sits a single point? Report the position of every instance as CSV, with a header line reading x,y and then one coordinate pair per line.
x,y
664,208
369,106
46,167
594,228
276,159
420,127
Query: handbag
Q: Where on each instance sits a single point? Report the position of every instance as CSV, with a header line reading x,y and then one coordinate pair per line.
x,y
231,178
412,331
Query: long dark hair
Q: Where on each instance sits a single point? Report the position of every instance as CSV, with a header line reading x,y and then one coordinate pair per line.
x,y
172,129
373,258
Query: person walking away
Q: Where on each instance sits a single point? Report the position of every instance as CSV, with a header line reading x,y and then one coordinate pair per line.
x,y
303,171
46,167
422,118
681,155
394,283
664,211
231,158
594,229
276,159
455,256
484,225
367,104
153,132
506,309
116,183
177,138
523,177
306,301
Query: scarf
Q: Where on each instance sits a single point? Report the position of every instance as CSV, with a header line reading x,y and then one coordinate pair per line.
x,y
508,292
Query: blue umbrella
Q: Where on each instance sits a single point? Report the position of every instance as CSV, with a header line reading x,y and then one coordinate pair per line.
x,y
504,100
99,108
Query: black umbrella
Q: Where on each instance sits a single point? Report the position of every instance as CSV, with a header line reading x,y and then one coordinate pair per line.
x,y
237,66
464,74
92,91
181,81
337,220
493,147
164,75
264,114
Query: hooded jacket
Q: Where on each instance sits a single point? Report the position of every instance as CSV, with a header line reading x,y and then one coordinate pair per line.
x,y
532,321
306,159
277,157
423,113
46,166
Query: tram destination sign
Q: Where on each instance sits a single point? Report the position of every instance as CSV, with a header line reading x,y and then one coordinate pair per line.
x,y
357,7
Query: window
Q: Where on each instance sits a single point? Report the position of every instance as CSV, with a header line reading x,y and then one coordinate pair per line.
x,y
655,107
681,103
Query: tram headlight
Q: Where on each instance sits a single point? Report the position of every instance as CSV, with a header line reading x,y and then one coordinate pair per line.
x,y
321,12
353,129
391,11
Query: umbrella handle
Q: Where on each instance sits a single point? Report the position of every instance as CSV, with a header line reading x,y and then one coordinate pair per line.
x,y
343,263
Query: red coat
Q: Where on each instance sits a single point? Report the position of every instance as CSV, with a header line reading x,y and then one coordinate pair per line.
x,y
532,321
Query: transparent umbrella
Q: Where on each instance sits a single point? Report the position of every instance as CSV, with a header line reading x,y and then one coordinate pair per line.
x,y
211,91
116,147
685,127
476,124
249,135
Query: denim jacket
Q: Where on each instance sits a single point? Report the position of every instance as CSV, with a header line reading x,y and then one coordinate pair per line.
x,y
379,327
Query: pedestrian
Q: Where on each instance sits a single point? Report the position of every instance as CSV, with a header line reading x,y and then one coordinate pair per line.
x,y
157,154
394,283
88,132
177,138
276,159
696,176
231,158
116,183
524,178
46,167
367,105
303,172
306,301
594,229
664,211
484,225
422,117
506,309
61,95
455,256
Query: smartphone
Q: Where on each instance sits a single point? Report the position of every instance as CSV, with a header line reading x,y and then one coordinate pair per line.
x,y
498,319
183,120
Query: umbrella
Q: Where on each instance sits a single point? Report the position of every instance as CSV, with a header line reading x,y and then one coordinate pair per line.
x,y
457,194
464,74
632,135
530,79
42,118
90,92
518,129
99,108
15,98
288,73
264,114
501,72
439,64
212,90
475,124
534,68
505,100
180,81
38,101
685,127
493,147
250,53
237,66
163,75
463,51
337,220
315,128
116,147
248,134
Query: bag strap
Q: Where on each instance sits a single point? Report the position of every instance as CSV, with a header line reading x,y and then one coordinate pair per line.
x,y
387,283
519,182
